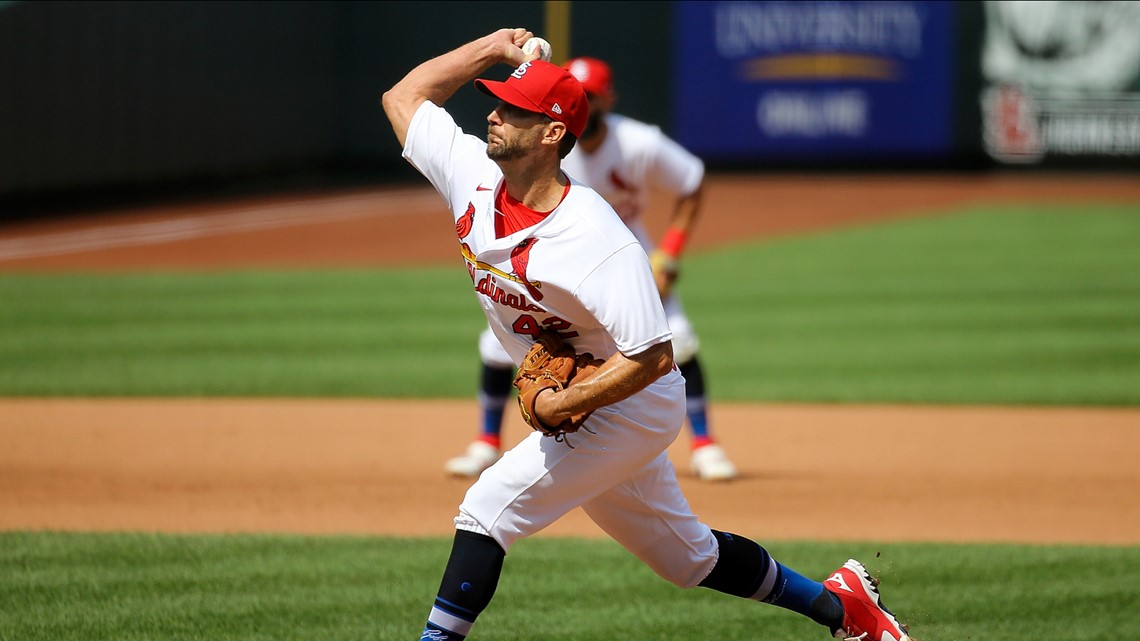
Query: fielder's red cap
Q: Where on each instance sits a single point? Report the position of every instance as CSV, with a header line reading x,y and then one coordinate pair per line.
x,y
545,88
594,74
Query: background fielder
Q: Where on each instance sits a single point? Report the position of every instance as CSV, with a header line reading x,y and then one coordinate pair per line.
x,y
547,253
623,160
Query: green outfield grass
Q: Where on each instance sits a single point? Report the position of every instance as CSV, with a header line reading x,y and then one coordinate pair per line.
x,y
127,587
1015,305
982,306
1011,305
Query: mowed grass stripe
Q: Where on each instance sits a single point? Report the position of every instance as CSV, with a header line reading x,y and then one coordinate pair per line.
x,y
236,334
997,305
128,587
986,306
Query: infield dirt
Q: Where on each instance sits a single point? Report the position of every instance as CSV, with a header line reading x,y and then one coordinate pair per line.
x,y
872,473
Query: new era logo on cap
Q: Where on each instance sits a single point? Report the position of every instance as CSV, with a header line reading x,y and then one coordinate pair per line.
x,y
545,88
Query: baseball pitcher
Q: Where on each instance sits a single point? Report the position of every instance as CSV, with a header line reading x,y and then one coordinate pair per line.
x,y
624,160
569,293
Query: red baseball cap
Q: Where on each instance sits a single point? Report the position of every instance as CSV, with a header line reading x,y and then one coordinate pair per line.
x,y
594,74
545,88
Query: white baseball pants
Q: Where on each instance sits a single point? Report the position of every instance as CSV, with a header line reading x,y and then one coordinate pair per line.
x,y
621,476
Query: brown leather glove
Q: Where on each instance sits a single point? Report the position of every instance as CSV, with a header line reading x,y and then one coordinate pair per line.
x,y
551,364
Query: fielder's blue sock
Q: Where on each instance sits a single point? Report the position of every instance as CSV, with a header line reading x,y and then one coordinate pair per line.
x,y
494,388
492,418
695,401
698,419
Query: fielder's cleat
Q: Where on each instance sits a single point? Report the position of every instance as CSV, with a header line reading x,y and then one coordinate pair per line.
x,y
478,457
710,463
865,618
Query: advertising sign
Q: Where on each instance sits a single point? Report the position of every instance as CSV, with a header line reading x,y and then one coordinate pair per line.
x,y
813,80
1063,80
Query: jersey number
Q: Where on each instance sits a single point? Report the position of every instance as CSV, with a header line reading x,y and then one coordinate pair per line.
x,y
529,325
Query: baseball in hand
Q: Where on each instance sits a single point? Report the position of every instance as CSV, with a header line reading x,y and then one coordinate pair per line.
x,y
541,45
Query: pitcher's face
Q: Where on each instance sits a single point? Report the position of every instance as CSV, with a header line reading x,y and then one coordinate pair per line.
x,y
513,132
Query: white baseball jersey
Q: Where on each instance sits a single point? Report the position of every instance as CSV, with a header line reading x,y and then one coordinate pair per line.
x,y
635,159
579,271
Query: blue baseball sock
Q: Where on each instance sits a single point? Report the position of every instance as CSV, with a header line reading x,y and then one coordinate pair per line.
x,y
494,388
745,569
695,405
492,418
794,592
698,419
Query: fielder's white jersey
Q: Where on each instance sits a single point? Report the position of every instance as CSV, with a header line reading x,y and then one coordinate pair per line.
x,y
635,159
580,271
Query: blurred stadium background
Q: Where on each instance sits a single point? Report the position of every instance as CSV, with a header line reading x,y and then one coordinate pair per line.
x,y
224,119
108,102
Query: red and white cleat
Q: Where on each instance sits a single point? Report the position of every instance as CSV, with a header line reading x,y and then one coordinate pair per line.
x,y
865,618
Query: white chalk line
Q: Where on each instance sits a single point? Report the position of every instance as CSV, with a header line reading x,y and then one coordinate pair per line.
x,y
218,224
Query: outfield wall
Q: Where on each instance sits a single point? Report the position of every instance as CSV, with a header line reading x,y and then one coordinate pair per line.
x,y
162,98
